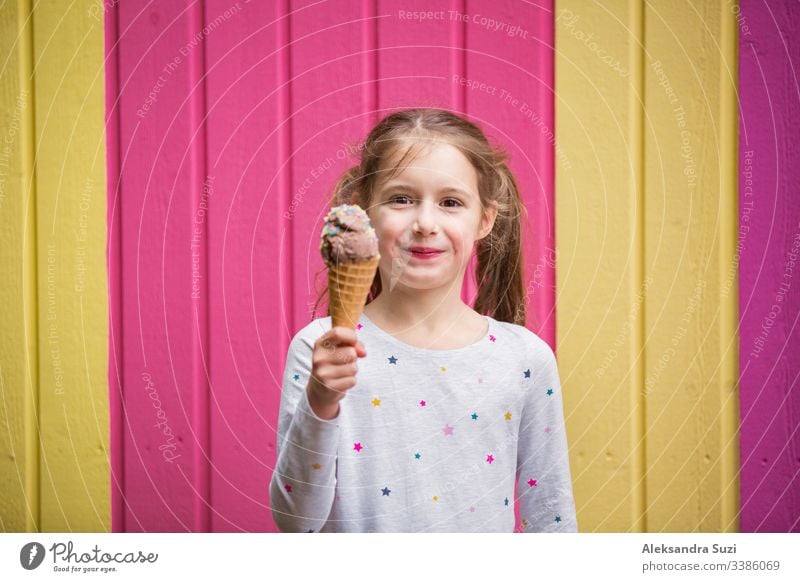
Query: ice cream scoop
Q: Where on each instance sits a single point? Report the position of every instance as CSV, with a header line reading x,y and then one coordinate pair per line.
x,y
348,236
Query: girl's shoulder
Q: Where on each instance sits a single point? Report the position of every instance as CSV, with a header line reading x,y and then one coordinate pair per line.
x,y
525,341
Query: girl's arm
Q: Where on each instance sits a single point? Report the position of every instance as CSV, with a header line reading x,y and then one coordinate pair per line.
x,y
544,483
304,481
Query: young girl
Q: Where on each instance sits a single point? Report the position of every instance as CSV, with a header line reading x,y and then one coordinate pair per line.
x,y
427,416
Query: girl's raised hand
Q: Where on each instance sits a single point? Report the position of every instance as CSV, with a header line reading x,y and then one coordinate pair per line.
x,y
333,370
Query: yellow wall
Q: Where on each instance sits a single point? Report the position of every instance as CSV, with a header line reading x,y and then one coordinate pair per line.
x,y
646,233
54,468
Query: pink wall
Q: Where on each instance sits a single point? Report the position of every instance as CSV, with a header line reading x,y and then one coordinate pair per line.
x,y
213,136
769,237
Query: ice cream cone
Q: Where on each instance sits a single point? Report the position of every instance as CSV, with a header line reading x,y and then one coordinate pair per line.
x,y
348,287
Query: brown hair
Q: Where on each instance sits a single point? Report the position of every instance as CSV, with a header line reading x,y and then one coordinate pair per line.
x,y
499,273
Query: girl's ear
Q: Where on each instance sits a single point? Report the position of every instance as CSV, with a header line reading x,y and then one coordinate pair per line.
x,y
487,221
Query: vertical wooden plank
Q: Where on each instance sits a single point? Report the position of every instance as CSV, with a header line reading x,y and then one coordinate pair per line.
x,y
600,283
245,86
162,285
689,234
19,356
769,246
53,368
70,232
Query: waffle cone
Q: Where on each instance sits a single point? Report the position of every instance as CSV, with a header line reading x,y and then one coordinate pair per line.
x,y
348,287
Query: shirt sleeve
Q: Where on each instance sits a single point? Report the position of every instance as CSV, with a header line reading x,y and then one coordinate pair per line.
x,y
544,483
303,483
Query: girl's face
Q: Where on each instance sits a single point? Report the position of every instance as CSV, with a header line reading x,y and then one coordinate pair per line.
x,y
428,218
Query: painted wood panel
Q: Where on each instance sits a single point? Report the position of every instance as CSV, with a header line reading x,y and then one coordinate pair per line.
x,y
230,123
647,230
53,346
769,253
600,281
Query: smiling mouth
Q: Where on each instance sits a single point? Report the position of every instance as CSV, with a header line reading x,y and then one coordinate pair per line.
x,y
425,254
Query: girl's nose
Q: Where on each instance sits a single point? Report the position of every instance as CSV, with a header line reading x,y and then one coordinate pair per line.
x,y
425,221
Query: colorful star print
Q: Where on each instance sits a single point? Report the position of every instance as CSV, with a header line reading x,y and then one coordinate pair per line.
x,y
506,502
474,416
357,447
376,402
443,369
296,377
547,429
532,482
392,360
489,459
492,338
447,430
507,415
288,488
316,466
436,498
359,326
528,373
422,403
558,519
549,391
386,491
472,509
417,456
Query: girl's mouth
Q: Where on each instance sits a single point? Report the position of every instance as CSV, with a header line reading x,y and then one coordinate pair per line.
x,y
425,254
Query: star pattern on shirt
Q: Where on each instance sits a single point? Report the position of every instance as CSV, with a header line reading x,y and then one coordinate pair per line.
x,y
447,430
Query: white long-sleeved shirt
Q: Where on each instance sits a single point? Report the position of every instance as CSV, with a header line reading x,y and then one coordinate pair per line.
x,y
427,440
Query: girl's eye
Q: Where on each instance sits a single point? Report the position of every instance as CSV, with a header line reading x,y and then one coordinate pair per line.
x,y
457,202
398,199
